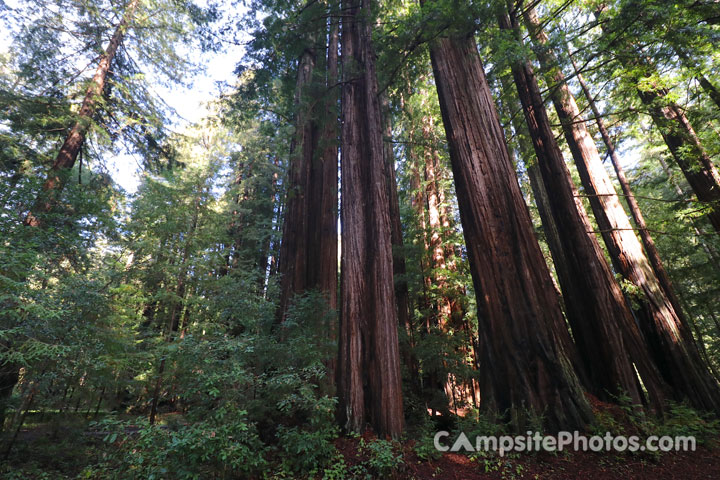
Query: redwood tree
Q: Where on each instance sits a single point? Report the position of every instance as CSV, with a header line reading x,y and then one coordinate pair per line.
x,y
522,331
308,252
59,172
608,339
666,328
369,383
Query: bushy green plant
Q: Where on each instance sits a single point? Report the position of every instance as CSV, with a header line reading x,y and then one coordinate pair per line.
x,y
382,457
686,421
223,446
309,447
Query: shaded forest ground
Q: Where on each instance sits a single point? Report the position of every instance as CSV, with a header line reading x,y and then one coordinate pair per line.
x,y
71,448
40,456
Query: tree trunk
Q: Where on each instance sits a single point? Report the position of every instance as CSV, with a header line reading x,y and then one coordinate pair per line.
x,y
59,172
308,252
235,230
540,197
604,329
323,214
369,364
449,309
678,133
9,375
661,320
520,322
668,332
402,293
295,245
263,255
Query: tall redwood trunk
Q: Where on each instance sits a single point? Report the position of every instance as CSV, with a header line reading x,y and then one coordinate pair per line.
x,y
308,251
661,319
676,130
327,277
58,175
520,323
323,257
295,245
669,333
369,383
402,293
608,339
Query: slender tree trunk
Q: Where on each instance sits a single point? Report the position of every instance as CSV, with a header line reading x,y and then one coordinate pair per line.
x,y
676,130
9,375
59,172
521,326
369,363
604,330
402,293
19,419
264,256
449,310
323,213
156,392
99,402
419,203
308,252
323,207
668,332
295,246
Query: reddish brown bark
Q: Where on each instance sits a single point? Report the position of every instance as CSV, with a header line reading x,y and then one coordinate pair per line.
x,y
369,383
308,251
58,175
608,339
521,326
295,246
323,255
661,320
402,293
667,330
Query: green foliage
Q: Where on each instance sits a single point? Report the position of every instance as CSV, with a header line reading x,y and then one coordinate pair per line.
x,y
382,457
223,445
507,466
686,421
309,447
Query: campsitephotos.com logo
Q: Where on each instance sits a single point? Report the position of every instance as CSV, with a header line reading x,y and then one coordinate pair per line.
x,y
537,442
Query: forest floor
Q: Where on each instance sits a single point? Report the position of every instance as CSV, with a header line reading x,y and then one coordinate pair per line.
x,y
44,451
704,463
37,453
